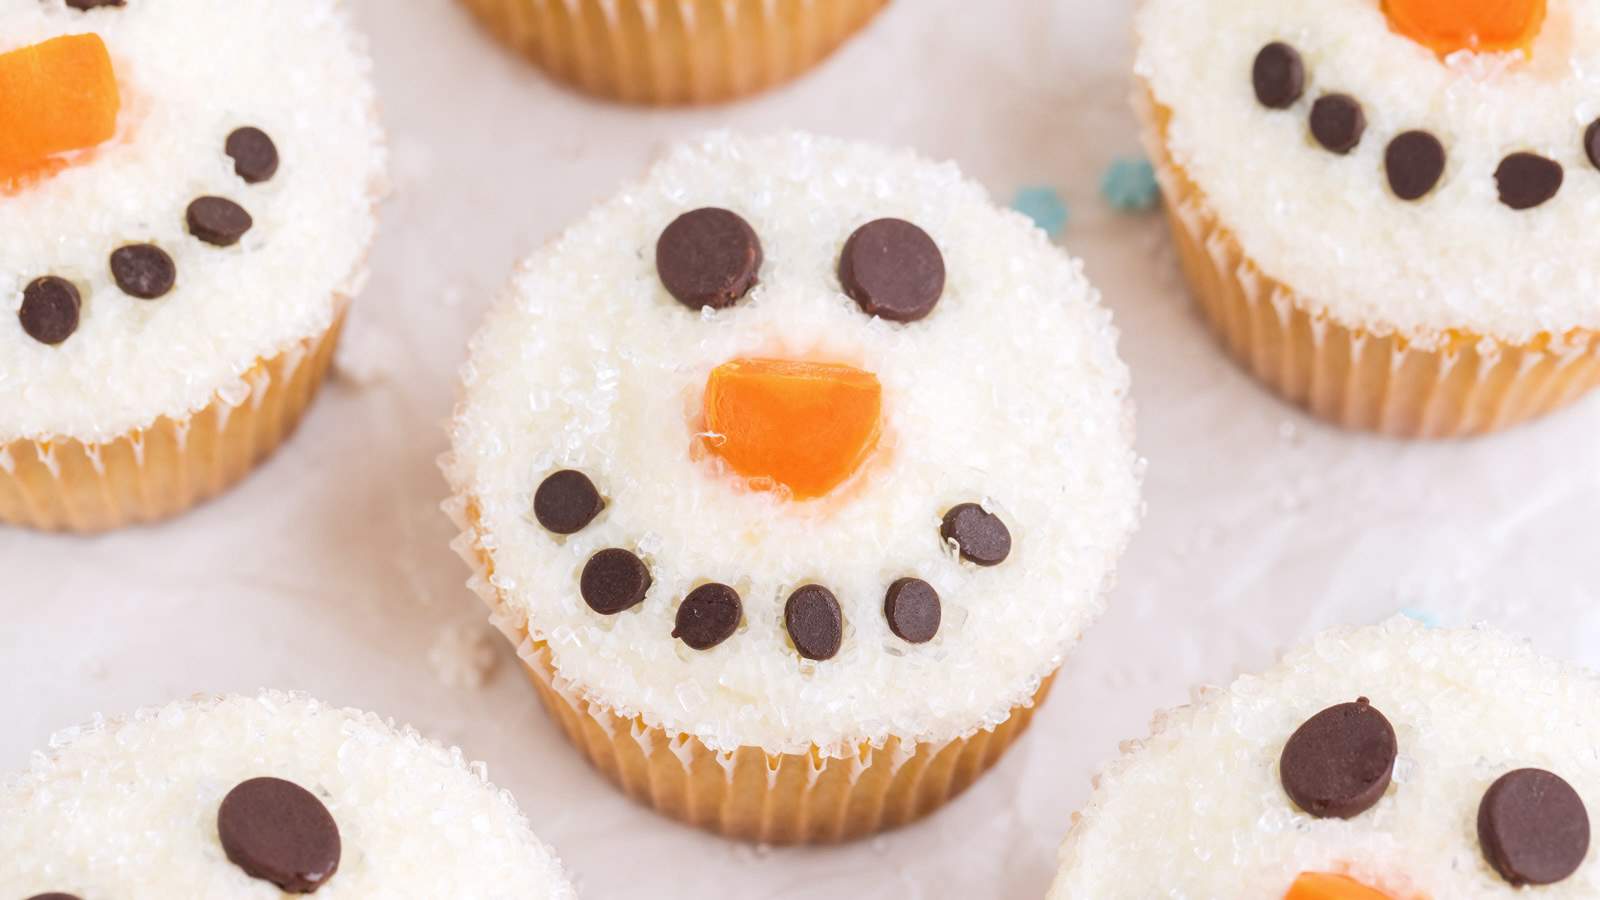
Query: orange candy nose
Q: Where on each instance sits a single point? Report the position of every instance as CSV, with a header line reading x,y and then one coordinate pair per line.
x,y
806,426
1321,886
1486,26
55,96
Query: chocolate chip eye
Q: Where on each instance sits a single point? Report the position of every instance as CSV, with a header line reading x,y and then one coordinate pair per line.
x,y
708,616
50,307
614,581
980,535
255,156
218,221
144,271
1527,180
1414,162
912,607
1338,122
1533,827
815,622
1279,76
1591,143
54,896
1339,763
893,270
278,831
708,258
92,4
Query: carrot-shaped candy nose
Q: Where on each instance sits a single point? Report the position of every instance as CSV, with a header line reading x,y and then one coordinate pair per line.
x,y
804,426
1482,26
56,96
1322,886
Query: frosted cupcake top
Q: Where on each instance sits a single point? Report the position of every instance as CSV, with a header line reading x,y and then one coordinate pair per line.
x,y
253,797
799,443
1383,762
1365,155
194,188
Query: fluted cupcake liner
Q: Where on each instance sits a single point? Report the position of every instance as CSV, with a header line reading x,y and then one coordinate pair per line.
x,y
1453,384
161,470
749,793
674,51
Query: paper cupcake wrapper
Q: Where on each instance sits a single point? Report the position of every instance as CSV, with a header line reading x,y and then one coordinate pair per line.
x,y
1447,385
163,469
750,793
674,51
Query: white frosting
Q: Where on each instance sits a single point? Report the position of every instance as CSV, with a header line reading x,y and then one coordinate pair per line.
x,y
1328,226
1198,810
189,74
1010,394
128,808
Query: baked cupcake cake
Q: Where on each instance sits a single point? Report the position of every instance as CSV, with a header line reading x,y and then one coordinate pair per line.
x,y
1385,763
186,191
794,472
1382,205
674,51
258,797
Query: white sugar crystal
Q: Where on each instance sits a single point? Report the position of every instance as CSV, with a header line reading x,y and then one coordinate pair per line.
x,y
1198,810
127,808
619,371
189,73
1328,226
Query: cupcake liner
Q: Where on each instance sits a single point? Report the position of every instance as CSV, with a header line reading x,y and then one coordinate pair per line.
x,y
169,466
748,794
1452,384
674,51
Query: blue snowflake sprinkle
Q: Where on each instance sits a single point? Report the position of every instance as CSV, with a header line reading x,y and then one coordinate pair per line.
x,y
1044,206
1130,185
1427,619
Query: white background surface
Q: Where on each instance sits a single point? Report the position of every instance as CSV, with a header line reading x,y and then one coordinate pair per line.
x,y
328,570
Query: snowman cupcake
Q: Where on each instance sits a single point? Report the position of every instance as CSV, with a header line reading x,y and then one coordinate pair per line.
x,y
1382,763
258,797
187,193
794,472
1382,206
667,52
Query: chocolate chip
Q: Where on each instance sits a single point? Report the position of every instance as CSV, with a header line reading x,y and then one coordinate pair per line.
x,y
893,270
913,610
1591,143
1527,180
815,622
567,502
143,270
93,4
54,897
708,616
218,221
1338,764
978,533
1338,122
1279,75
1533,827
708,257
49,312
280,832
255,157
614,580
1415,163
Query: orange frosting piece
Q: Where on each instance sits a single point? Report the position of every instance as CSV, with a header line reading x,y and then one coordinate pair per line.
x,y
1322,886
1486,26
55,96
806,426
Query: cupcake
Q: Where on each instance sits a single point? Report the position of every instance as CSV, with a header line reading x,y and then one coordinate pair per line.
x,y
187,196
1381,207
261,797
666,52
1383,763
793,473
